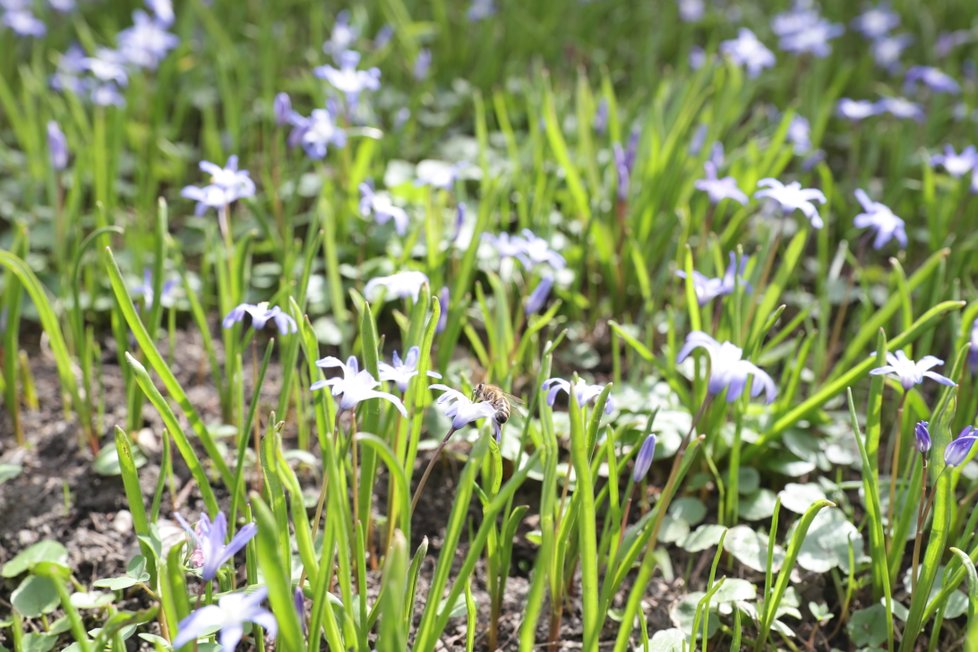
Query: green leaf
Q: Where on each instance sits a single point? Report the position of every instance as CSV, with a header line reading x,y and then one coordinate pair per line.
x,y
46,550
750,548
668,640
868,626
9,471
35,596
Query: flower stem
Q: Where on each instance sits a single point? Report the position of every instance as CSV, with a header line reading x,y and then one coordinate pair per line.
x,y
915,563
427,470
895,464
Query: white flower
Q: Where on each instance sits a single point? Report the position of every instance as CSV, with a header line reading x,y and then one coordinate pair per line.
x,y
398,286
793,197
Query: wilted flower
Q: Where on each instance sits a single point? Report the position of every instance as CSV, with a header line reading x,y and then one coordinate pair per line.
x,y
957,165
793,197
879,218
229,615
402,371
856,110
57,146
708,288
260,315
957,450
354,386
538,298
347,79
382,208
210,552
462,410
585,393
911,373
728,369
748,52
719,189
644,458
921,433
934,79
876,22
147,42
401,285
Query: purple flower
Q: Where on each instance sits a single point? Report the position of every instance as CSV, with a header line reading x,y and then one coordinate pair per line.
x,y
698,140
209,196
536,252
600,122
795,20
921,433
147,42
401,285
384,35
911,373
707,289
211,552
793,197
900,107
229,615
146,289
879,218
317,132
260,315
108,65
443,298
720,189
402,371
347,79
973,347
856,110
644,459
800,134
462,410
538,298
236,183
813,38
947,41
585,393
354,386
957,450
71,65
876,22
480,10
748,52
342,37
163,10
57,146
422,65
382,208
625,163
22,22
697,57
888,50
691,11
932,78
728,369
957,165
282,108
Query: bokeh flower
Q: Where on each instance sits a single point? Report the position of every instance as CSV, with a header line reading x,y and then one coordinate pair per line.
x,y
228,616
933,78
402,285
879,218
955,164
382,208
347,78
719,189
538,298
707,289
57,146
748,52
793,197
261,314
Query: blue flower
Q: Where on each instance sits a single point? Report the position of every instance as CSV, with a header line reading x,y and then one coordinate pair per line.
x,y
793,197
691,11
911,373
22,22
585,393
422,65
317,132
401,285
163,10
748,52
343,36
57,146
876,22
462,410
402,371
227,185
229,615
644,458
354,386
800,134
282,109
856,110
888,50
921,434
707,289
813,38
879,218
146,289
532,251
260,315
538,298
480,10
211,552
933,78
957,450
719,189
901,107
147,42
347,79
957,165
382,208
728,369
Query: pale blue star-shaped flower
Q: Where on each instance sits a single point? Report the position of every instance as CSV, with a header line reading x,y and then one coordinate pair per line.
x,y
210,551
462,410
719,189
261,314
887,50
382,208
856,110
228,616
748,52
814,38
146,43
901,107
911,373
707,289
879,218
933,78
402,371
876,22
343,36
728,369
585,393
793,197
354,386
317,132
955,164
347,78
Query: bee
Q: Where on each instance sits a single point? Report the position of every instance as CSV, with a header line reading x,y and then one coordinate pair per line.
x,y
500,400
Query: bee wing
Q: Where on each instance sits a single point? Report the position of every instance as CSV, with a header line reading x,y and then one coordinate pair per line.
x,y
514,399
